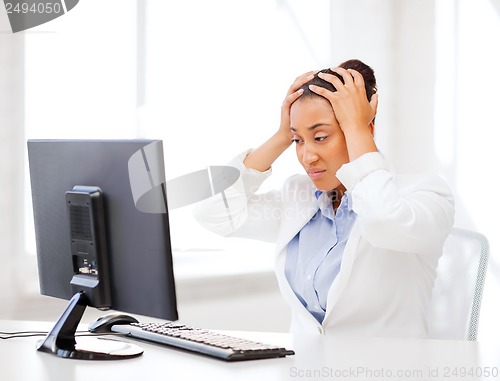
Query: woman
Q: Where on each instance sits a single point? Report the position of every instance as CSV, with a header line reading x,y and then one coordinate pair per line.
x,y
357,246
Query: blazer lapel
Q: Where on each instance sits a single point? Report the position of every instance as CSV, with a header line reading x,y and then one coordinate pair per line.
x,y
294,222
348,258
291,225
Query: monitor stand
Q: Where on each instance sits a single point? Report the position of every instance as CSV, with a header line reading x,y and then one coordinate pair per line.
x,y
61,339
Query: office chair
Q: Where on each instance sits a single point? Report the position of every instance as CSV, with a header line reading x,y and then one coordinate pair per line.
x,y
456,297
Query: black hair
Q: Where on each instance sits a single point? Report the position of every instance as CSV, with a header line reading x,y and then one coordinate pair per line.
x,y
365,70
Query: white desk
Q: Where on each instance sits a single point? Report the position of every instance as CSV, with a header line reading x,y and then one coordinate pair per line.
x,y
317,357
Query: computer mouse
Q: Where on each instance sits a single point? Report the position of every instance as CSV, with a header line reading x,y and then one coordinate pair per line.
x,y
104,323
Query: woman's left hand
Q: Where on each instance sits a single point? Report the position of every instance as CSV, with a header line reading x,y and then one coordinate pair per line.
x,y
349,102
352,109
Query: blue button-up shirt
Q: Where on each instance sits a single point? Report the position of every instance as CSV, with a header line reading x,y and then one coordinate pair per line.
x,y
315,253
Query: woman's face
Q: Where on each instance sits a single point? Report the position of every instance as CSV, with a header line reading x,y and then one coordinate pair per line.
x,y
320,143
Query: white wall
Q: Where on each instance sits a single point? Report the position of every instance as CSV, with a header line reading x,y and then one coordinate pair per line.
x,y
393,38
476,137
11,159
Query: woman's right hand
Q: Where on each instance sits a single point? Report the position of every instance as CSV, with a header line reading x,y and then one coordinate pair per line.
x,y
264,156
294,92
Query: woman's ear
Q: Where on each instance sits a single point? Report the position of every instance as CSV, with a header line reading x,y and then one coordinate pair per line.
x,y
371,126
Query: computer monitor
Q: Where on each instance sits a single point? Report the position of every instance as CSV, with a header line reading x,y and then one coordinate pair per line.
x,y
102,231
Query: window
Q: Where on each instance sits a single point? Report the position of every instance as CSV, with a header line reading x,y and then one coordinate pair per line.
x,y
206,77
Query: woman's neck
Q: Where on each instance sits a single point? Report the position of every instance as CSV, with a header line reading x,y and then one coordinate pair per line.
x,y
336,196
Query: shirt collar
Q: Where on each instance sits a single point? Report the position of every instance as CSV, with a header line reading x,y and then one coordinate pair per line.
x,y
325,201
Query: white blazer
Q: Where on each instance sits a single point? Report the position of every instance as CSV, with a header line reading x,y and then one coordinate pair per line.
x,y
389,264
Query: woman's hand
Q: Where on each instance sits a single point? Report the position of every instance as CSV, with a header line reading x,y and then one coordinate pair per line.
x,y
264,156
349,102
352,109
294,92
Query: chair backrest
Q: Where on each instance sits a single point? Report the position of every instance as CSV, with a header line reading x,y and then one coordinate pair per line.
x,y
458,289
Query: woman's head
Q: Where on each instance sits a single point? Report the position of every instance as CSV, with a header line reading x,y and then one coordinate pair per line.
x,y
365,70
320,143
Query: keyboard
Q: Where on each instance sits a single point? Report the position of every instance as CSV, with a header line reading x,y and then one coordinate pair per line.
x,y
202,341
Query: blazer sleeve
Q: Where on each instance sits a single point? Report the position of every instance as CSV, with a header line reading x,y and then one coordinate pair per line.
x,y
411,215
241,211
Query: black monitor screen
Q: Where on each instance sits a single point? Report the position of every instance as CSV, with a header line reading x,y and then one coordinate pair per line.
x,y
130,175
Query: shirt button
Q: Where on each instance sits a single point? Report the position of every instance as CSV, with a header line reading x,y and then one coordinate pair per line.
x,y
309,277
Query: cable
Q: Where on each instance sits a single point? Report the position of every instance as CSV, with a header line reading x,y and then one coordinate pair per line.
x,y
21,334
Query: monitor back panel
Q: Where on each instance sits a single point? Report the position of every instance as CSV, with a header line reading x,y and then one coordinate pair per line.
x,y
139,249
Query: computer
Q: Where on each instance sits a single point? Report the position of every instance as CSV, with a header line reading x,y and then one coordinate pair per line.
x,y
103,240
101,225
